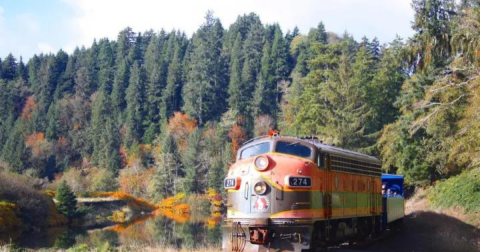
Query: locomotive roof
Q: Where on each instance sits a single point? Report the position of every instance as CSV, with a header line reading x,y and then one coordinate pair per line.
x,y
324,147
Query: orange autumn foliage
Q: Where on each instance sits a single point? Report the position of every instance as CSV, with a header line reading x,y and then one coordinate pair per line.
x,y
36,141
123,156
125,226
176,216
237,134
28,108
131,182
180,126
181,208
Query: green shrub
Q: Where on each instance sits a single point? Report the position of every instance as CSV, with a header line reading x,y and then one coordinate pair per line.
x,y
460,191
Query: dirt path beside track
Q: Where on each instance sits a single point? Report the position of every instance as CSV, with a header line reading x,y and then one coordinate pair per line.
x,y
429,231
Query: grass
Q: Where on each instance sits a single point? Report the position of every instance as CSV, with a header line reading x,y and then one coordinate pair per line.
x,y
458,194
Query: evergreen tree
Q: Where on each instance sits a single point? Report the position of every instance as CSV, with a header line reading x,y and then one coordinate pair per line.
x,y
156,74
206,87
125,40
318,34
66,201
266,89
279,56
120,84
52,117
66,82
190,160
101,110
109,157
9,67
235,87
6,127
339,113
170,169
22,71
248,84
253,47
106,62
135,108
386,85
14,150
171,97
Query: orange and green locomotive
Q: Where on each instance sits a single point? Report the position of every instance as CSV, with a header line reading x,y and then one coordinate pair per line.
x,y
297,194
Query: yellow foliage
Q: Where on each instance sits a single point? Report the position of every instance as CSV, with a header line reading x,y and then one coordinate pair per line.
x,y
50,193
170,202
214,220
211,192
9,216
216,214
179,196
119,216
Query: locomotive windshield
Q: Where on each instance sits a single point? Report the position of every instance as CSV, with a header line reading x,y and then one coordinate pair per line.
x,y
293,149
255,150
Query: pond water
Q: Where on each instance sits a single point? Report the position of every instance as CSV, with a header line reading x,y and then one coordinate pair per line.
x,y
164,229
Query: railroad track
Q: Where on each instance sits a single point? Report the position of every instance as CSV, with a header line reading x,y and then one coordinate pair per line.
x,y
358,246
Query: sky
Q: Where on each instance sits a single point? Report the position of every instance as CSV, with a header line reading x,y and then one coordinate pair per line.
x,y
29,27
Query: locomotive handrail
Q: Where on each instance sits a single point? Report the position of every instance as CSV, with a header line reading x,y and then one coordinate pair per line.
x,y
253,139
247,187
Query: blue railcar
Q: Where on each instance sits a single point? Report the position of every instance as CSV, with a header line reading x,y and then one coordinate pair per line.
x,y
393,195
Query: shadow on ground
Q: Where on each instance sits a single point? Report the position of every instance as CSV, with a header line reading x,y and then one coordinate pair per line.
x,y
425,231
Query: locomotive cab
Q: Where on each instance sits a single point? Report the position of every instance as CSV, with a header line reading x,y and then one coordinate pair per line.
x,y
276,170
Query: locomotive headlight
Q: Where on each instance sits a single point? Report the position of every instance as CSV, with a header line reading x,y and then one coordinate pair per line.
x,y
261,163
260,188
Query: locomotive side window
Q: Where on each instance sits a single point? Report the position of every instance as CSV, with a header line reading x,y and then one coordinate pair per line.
x,y
255,150
293,149
321,160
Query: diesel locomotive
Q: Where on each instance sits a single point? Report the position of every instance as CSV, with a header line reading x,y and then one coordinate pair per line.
x,y
299,194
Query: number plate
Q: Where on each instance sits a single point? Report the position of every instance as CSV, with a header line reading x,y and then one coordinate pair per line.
x,y
230,183
299,182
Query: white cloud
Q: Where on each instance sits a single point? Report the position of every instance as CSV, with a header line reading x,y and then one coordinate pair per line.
x,y
102,18
45,48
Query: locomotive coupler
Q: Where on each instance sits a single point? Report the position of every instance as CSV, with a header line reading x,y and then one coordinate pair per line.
x,y
259,235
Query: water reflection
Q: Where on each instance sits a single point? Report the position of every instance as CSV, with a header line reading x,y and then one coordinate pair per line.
x,y
164,228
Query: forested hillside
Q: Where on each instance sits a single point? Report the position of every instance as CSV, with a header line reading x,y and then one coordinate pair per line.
x,y
158,113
